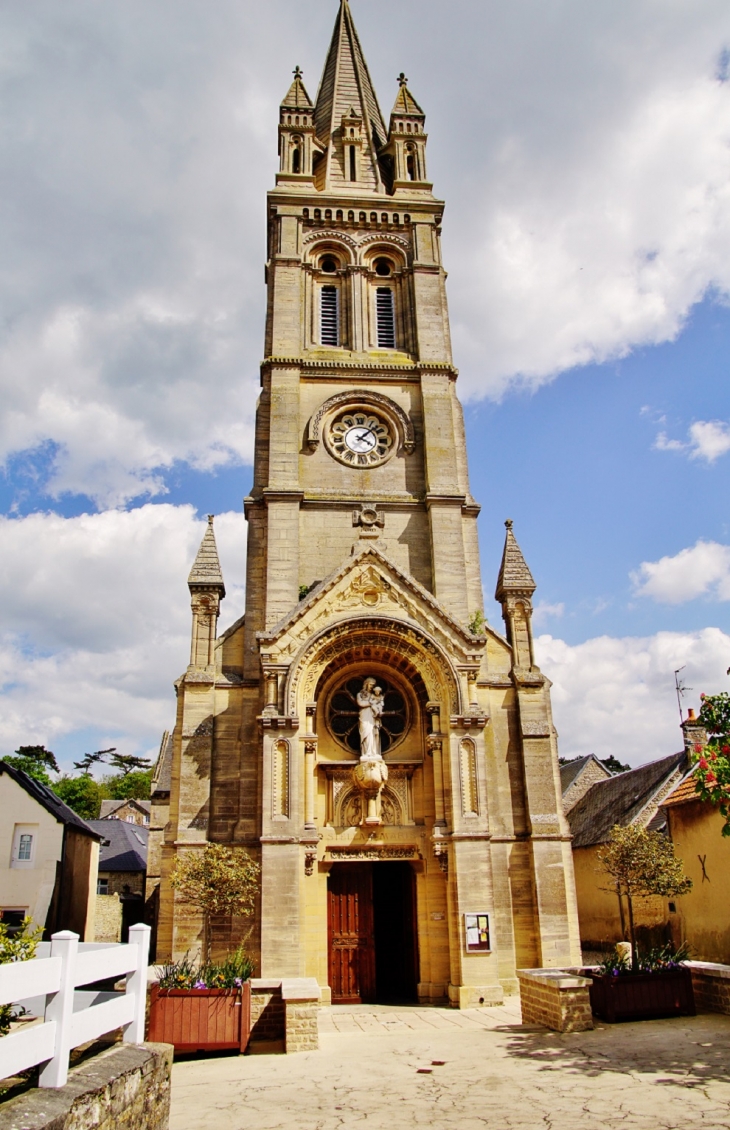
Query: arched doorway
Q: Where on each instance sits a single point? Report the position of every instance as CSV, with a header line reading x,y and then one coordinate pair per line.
x,y
373,947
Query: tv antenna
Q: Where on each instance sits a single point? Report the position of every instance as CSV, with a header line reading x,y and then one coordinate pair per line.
x,y
681,689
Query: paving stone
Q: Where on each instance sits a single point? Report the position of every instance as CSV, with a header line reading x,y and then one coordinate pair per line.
x,y
654,1075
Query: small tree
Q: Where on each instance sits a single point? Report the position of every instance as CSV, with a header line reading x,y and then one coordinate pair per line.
x,y
712,775
83,794
642,863
218,880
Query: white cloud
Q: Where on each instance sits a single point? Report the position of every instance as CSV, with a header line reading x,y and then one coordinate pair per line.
x,y
700,570
588,203
543,611
96,620
708,440
617,696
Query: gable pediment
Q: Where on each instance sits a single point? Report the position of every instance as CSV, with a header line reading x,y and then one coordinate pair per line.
x,y
370,584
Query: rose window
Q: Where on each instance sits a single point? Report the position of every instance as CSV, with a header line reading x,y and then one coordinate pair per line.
x,y
343,714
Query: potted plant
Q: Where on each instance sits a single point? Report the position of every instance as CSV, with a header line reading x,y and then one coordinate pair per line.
x,y
205,1005
655,983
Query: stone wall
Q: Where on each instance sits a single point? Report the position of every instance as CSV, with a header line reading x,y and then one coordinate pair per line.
x,y
125,1087
556,999
108,919
711,986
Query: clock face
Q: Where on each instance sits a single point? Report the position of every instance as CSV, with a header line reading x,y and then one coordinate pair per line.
x,y
360,439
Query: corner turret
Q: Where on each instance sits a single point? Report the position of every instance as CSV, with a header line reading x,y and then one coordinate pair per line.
x,y
297,143
207,590
407,139
515,586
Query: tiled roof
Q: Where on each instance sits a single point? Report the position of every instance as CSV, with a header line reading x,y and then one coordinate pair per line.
x,y
48,799
572,769
126,846
684,792
620,799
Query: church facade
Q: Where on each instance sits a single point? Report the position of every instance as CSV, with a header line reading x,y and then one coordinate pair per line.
x,y
387,756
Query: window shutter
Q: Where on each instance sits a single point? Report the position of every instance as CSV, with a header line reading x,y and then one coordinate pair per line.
x,y
385,308
329,316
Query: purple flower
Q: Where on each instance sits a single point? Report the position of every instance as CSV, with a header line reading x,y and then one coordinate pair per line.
x,y
200,985
238,982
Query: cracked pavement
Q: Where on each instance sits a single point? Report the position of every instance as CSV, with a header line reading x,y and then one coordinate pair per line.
x,y
389,1066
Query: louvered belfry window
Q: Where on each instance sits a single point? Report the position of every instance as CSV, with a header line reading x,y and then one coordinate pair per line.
x,y
385,310
329,316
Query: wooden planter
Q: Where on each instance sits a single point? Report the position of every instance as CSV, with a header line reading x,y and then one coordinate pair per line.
x,y
642,996
195,1020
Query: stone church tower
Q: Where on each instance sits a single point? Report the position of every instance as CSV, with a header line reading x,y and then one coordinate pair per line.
x,y
388,757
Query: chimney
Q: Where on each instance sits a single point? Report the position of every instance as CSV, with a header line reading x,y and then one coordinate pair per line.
x,y
695,734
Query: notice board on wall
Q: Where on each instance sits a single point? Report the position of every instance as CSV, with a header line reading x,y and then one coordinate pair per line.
x,y
477,933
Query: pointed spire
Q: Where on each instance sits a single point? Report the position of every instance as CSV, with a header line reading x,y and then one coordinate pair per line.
x,y
346,86
405,103
514,575
206,570
297,97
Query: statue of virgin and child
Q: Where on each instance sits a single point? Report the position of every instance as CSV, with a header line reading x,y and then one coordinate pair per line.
x,y
370,701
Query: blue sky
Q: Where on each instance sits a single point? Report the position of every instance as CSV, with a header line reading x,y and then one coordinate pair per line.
x,y
584,154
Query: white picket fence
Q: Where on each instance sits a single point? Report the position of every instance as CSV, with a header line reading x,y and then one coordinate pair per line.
x,y
57,977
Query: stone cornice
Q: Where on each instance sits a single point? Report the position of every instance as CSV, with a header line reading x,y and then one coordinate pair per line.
x,y
384,367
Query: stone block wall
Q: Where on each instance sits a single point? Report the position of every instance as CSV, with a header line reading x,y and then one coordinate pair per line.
x,y
127,1086
302,1033
711,986
556,999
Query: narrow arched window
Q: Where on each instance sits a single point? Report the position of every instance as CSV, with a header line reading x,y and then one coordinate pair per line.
x,y
353,164
296,161
385,317
329,315
411,166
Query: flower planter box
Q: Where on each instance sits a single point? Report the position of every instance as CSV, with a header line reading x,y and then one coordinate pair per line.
x,y
642,996
194,1020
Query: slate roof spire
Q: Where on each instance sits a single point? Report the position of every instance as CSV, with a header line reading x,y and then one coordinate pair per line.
x,y
346,86
514,575
206,570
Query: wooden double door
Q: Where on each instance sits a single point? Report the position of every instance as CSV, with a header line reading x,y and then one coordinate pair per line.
x,y
372,933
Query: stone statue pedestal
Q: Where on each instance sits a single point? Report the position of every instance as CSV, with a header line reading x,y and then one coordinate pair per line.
x,y
369,776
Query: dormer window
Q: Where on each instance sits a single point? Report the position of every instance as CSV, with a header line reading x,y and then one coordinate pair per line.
x,y
353,163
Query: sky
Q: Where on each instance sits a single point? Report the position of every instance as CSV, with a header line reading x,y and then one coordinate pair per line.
x,y
583,151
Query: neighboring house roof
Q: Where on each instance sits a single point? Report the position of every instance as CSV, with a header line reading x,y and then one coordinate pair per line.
x,y
625,798
124,847
48,800
109,807
684,793
162,776
570,772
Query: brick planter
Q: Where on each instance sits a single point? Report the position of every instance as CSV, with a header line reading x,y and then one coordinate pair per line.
x,y
195,1020
557,998
642,996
